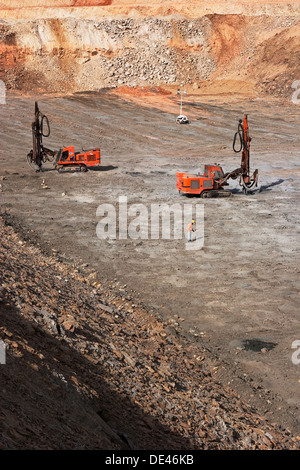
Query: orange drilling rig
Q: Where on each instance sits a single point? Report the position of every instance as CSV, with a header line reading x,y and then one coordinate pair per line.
x,y
213,180
64,160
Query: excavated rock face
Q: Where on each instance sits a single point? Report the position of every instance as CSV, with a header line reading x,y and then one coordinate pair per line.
x,y
87,45
75,55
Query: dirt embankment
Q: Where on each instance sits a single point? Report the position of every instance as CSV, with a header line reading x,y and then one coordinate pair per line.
x,y
99,372
76,51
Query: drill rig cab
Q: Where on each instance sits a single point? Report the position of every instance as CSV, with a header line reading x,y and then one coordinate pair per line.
x,y
68,159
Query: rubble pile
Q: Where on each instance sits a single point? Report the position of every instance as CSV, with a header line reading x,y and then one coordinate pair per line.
x,y
88,368
107,53
66,55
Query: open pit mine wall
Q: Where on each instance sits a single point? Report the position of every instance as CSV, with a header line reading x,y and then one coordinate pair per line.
x,y
87,45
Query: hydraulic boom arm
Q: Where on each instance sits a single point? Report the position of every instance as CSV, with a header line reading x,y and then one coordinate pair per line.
x,y
246,180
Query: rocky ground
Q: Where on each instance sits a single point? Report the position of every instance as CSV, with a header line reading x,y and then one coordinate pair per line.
x,y
134,344
88,369
138,342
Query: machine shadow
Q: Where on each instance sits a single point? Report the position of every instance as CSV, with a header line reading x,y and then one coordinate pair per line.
x,y
267,187
103,168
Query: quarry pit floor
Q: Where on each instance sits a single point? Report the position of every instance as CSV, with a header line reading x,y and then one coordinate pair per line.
x,y
237,291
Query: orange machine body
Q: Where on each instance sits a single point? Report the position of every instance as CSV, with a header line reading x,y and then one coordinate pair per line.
x,y
67,157
200,184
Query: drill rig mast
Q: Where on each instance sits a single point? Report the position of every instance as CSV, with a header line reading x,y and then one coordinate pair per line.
x,y
40,128
246,181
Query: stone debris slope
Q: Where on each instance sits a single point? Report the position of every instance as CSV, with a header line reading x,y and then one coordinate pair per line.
x,y
87,368
68,53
